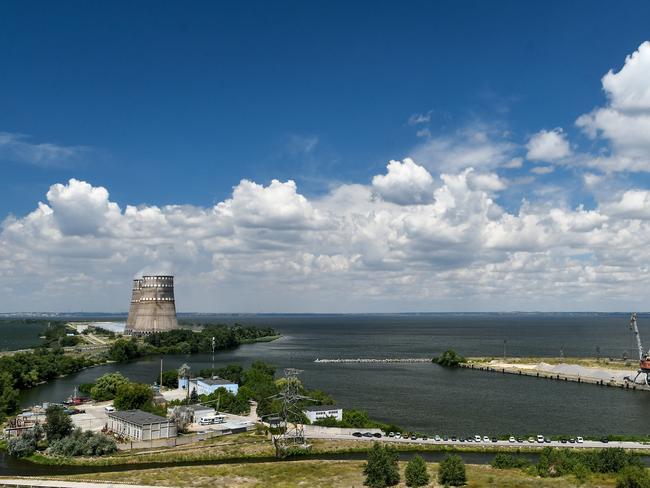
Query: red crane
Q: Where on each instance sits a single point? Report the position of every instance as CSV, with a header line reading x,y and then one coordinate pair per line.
x,y
644,360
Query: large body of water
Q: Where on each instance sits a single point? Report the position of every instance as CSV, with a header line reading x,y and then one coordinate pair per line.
x,y
423,396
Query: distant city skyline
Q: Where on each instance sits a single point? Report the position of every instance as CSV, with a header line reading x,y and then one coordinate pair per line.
x,y
287,157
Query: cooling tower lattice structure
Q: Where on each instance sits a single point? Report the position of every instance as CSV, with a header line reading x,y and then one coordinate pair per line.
x,y
153,308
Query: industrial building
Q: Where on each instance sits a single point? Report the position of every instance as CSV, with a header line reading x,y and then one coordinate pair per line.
x,y
206,386
140,426
319,412
153,307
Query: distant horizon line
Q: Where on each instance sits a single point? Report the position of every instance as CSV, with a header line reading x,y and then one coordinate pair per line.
x,y
181,314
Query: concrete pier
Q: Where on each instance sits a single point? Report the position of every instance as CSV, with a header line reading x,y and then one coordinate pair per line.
x,y
611,383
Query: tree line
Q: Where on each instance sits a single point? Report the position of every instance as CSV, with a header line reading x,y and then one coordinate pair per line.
x,y
186,341
25,369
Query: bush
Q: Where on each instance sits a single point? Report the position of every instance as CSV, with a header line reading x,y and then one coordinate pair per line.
x,y
381,468
508,461
452,471
633,477
25,444
416,472
83,444
449,359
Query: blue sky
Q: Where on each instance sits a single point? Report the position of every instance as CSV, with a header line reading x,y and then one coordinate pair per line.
x,y
196,98
136,122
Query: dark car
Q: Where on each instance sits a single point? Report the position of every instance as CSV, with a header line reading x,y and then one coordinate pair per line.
x,y
461,439
572,440
547,440
377,435
445,438
563,441
367,434
454,438
357,434
520,440
414,437
494,439
604,440
424,438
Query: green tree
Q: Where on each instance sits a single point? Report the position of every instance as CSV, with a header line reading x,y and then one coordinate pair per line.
x,y
381,469
452,471
132,396
123,350
106,386
416,473
169,379
8,395
194,397
633,477
449,359
58,423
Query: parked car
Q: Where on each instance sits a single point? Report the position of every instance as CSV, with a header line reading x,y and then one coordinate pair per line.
x,y
579,440
357,434
540,439
414,437
437,438
454,438
377,435
511,439
531,440
520,440
398,435
604,440
477,438
572,440
109,408
494,439
486,438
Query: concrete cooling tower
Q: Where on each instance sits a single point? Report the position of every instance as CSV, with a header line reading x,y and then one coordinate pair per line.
x,y
153,308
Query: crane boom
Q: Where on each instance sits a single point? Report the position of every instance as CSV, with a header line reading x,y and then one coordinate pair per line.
x,y
635,329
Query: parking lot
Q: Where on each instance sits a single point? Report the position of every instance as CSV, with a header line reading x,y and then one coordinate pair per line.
x,y
94,417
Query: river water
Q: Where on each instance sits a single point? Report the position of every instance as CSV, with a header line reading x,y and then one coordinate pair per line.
x,y
423,396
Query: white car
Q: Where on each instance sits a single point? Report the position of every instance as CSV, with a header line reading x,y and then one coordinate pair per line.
x,y
511,439
109,408
540,439
486,438
437,438
531,440
579,440
398,435
477,438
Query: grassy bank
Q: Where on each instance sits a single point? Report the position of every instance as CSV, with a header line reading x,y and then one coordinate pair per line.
x,y
250,446
325,474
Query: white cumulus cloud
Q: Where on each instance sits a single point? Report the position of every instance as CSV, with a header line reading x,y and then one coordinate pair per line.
x,y
548,145
405,183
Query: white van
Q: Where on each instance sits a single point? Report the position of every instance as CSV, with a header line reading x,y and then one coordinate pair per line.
x,y
109,408
212,419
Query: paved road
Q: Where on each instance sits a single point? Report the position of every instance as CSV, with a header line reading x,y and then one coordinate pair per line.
x,y
429,442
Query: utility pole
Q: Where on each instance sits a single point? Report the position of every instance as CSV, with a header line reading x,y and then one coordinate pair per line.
x,y
213,344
